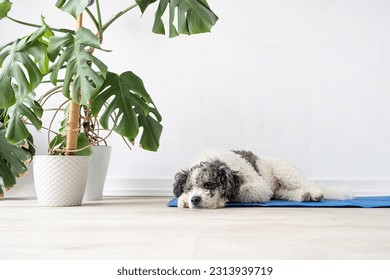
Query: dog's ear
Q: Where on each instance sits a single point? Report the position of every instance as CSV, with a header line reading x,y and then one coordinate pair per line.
x,y
230,182
180,181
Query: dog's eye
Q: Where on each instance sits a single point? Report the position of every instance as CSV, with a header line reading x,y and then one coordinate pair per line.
x,y
209,185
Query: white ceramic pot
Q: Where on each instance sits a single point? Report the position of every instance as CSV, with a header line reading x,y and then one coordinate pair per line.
x,y
60,180
97,172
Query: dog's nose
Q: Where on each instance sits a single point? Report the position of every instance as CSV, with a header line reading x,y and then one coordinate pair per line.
x,y
196,200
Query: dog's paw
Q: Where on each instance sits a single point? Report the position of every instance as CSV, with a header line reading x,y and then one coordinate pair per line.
x,y
182,201
182,204
308,196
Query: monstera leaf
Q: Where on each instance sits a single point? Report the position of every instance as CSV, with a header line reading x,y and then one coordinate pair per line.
x,y
5,7
71,53
13,158
192,16
16,129
143,4
150,138
131,107
22,63
73,7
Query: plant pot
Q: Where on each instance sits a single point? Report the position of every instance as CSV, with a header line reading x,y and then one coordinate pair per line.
x,y
60,180
97,172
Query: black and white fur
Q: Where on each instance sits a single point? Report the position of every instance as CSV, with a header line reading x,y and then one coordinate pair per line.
x,y
219,176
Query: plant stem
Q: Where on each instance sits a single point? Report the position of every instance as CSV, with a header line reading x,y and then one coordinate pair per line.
x,y
54,109
47,97
93,18
49,82
45,128
118,15
48,93
63,30
99,15
51,123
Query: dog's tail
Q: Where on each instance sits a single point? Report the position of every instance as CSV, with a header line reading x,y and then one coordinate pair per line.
x,y
337,193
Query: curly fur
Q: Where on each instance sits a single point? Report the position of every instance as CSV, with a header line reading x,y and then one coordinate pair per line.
x,y
220,176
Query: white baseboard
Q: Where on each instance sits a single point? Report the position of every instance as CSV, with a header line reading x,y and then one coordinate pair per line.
x,y
138,187
163,186
359,186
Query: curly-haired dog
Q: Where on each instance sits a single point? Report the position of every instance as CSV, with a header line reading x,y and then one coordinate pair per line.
x,y
220,176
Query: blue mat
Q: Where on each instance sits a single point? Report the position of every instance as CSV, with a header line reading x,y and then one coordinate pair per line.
x,y
364,202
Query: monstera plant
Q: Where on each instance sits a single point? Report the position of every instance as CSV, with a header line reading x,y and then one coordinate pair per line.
x,y
93,93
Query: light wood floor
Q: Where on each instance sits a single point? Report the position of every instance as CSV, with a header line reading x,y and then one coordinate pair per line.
x,y
144,228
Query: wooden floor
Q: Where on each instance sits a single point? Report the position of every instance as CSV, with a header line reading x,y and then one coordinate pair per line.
x,y
144,228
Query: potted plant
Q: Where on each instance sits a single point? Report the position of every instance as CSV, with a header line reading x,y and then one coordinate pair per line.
x,y
67,59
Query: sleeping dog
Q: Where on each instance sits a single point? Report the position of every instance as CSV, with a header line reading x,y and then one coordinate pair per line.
x,y
220,176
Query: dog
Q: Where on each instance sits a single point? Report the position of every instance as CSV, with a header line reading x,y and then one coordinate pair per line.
x,y
220,176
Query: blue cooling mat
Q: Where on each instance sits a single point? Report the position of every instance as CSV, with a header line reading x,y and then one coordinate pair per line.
x,y
364,202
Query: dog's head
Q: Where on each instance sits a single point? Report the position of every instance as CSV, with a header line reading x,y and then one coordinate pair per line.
x,y
209,184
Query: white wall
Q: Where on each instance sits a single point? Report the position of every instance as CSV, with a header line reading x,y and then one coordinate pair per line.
x,y
306,81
